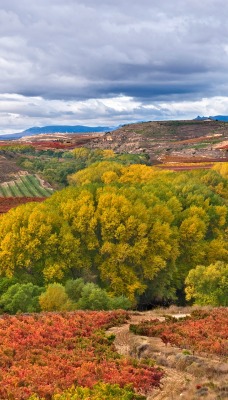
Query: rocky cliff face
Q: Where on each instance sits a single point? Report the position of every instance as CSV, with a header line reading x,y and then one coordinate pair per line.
x,y
170,141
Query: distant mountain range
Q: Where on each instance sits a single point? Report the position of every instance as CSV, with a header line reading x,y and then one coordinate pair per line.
x,y
215,118
56,129
68,129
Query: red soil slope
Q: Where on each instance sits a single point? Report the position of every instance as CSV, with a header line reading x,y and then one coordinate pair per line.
x,y
6,203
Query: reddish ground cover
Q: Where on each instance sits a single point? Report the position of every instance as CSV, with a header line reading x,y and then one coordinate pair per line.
x,y
42,144
6,203
191,159
3,143
203,331
47,353
225,147
52,144
185,167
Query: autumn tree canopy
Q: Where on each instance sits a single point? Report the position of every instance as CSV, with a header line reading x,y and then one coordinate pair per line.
x,y
134,230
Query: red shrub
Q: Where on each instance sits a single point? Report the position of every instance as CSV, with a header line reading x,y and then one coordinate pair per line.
x,y
204,332
47,353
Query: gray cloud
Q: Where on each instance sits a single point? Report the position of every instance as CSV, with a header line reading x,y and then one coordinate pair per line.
x,y
82,49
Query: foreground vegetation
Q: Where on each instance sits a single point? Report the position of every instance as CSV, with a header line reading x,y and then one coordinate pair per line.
x,y
45,354
203,331
100,391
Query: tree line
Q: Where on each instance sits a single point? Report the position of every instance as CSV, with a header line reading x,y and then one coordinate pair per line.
x,y
133,230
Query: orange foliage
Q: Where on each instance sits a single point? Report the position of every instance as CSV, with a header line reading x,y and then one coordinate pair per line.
x,y
48,353
199,332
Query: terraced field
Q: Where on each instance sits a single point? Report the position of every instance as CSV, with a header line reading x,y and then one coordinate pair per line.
x,y
25,186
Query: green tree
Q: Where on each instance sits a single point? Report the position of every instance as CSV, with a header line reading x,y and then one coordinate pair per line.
x,y
5,283
120,303
74,288
208,285
93,298
100,391
34,239
21,298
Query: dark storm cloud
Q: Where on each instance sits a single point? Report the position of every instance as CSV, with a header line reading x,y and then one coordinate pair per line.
x,y
69,47
84,49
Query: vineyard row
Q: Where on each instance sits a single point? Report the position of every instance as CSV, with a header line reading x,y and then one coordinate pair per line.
x,y
24,186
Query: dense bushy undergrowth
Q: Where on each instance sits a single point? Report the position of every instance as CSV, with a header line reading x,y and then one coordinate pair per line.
x,y
203,331
75,295
47,353
100,391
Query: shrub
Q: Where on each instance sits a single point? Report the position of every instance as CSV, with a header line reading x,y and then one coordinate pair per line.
x,y
21,298
5,283
90,296
74,288
79,356
55,299
203,331
100,391
120,302
93,298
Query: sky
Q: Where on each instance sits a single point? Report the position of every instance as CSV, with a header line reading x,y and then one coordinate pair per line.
x,y
109,62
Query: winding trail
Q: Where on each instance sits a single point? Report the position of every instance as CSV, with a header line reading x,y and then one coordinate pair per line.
x,y
177,383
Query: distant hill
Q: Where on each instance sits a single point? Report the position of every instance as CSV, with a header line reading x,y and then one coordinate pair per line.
x,y
223,118
199,140
220,118
56,129
199,118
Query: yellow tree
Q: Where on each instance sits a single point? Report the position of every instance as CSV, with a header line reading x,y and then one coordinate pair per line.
x,y
138,173
208,285
94,173
34,240
134,245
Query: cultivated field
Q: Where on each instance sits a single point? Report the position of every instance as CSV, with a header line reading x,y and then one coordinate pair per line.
x,y
25,186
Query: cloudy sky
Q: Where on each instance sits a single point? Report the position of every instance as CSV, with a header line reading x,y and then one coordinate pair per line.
x,y
107,62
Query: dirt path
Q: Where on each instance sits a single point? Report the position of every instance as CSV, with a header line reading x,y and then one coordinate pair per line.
x,y
186,377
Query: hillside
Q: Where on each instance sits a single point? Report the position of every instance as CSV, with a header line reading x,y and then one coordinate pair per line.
x,y
164,142
170,141
53,129
171,144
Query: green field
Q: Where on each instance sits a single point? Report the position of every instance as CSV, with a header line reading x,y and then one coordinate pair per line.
x,y
24,186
